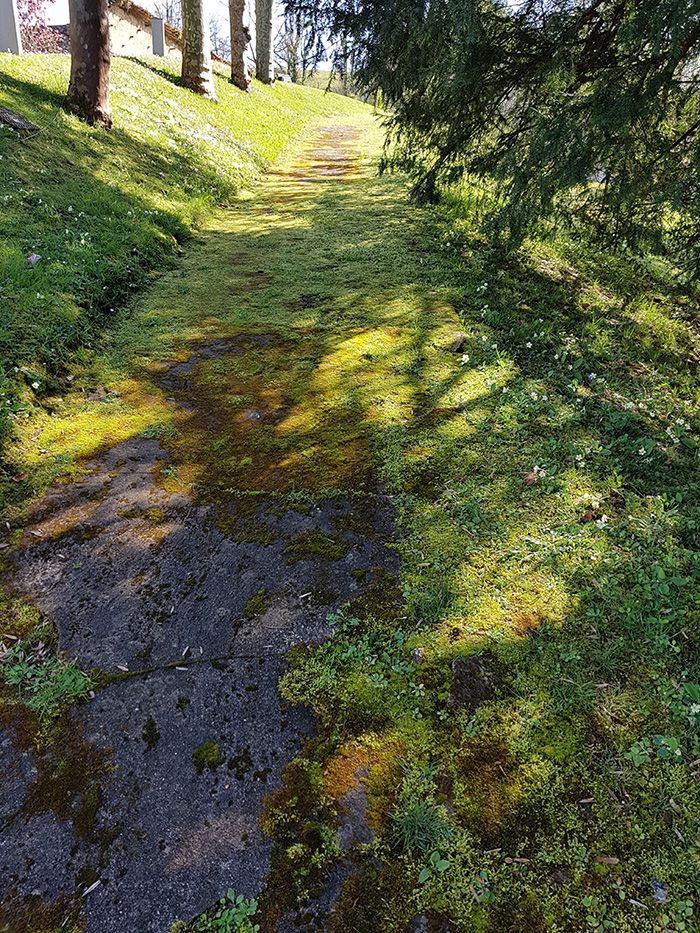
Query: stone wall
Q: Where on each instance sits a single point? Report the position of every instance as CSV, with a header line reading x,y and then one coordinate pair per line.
x,y
130,32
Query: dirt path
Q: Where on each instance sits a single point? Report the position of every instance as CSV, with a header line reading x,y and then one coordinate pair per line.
x,y
147,809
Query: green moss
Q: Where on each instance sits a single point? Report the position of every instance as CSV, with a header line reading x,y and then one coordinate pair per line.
x,y
30,914
240,520
150,734
316,543
207,756
255,605
84,820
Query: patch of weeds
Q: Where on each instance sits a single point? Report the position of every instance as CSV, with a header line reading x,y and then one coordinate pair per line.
x,y
420,826
420,823
46,683
233,914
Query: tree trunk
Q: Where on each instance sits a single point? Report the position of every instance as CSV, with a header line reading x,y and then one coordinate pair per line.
x,y
265,70
240,37
88,90
196,50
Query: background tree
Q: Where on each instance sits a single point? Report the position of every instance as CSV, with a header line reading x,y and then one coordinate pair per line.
x,y
295,48
583,109
88,89
196,50
264,60
220,42
170,11
240,40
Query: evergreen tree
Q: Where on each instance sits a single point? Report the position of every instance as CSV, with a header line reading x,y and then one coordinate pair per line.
x,y
584,108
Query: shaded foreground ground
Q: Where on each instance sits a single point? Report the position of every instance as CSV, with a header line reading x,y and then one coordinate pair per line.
x,y
163,568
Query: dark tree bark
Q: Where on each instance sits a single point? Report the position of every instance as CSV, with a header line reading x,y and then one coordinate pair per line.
x,y
196,50
265,67
240,37
88,90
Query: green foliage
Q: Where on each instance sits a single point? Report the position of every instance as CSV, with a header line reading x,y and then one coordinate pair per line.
x,y
420,826
46,682
232,915
419,822
590,109
436,864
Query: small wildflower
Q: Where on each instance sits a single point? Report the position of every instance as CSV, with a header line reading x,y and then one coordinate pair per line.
x,y
528,345
35,385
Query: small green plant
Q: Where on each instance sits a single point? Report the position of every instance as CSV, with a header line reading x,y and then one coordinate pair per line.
x,y
45,682
668,747
437,864
233,914
640,753
681,921
597,915
421,825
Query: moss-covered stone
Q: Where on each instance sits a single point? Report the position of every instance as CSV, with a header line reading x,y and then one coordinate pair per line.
x,y
255,605
150,734
207,756
316,543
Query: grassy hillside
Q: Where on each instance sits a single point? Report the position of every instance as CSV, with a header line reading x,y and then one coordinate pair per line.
x,y
106,211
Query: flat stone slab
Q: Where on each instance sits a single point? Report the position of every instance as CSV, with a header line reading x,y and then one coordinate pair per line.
x,y
143,584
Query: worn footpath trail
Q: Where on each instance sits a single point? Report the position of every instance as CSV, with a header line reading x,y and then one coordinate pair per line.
x,y
228,497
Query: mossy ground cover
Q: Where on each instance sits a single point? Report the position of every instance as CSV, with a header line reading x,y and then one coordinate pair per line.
x,y
106,212
546,476
535,417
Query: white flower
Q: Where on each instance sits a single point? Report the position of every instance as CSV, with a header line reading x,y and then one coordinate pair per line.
x,y
641,452
695,709
35,385
464,358
528,345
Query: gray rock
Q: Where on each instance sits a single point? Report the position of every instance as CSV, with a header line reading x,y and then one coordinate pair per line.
x,y
457,342
139,578
473,683
353,830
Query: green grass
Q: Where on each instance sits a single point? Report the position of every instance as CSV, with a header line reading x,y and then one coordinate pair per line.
x,y
547,482
108,211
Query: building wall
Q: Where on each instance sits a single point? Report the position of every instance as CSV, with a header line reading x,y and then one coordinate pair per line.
x,y
129,35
